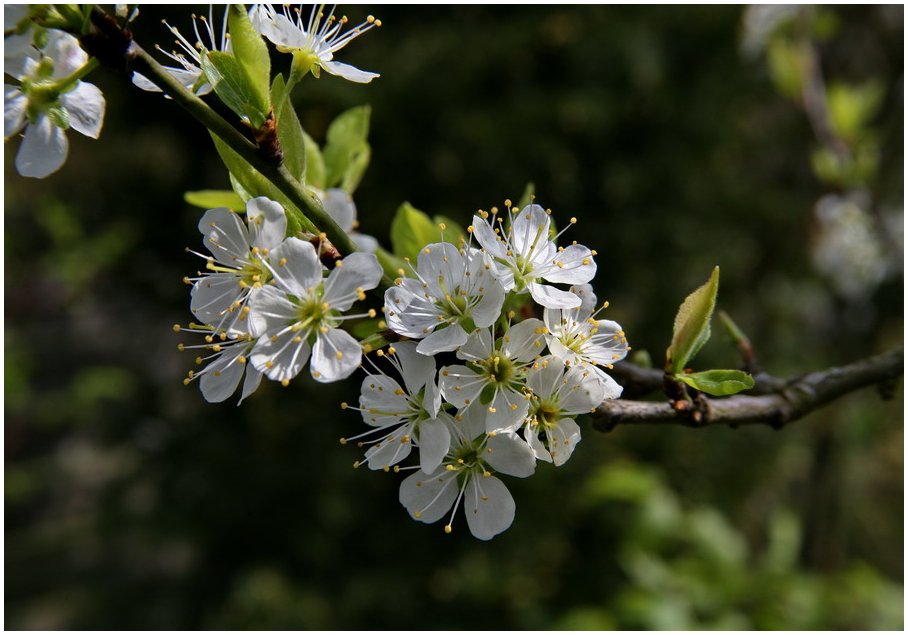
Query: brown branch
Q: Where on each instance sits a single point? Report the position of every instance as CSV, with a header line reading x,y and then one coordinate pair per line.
x,y
795,399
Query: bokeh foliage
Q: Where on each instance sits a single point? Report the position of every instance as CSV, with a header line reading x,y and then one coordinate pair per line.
x,y
130,503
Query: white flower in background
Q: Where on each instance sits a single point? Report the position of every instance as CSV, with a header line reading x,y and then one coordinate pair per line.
x,y
300,312
236,267
522,255
452,294
560,393
227,362
49,99
188,55
577,337
404,417
466,474
340,207
313,43
495,377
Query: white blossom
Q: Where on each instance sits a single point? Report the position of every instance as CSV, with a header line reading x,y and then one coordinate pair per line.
x,y
236,268
560,393
226,359
299,313
452,294
404,417
577,337
49,99
313,43
522,254
466,474
340,207
496,372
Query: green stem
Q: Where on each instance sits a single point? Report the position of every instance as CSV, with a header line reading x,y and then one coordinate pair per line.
x,y
70,80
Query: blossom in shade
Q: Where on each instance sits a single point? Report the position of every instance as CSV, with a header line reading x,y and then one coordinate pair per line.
x,y
312,42
523,255
404,417
452,294
578,337
494,377
236,267
560,393
226,365
49,99
466,474
300,312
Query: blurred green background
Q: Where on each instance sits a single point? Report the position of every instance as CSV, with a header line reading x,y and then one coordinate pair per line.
x,y
678,139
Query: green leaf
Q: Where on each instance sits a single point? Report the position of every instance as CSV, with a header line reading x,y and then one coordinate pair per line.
x,y
852,107
718,382
289,131
453,233
529,193
691,330
251,54
209,199
315,164
787,63
229,81
254,184
411,230
390,263
346,151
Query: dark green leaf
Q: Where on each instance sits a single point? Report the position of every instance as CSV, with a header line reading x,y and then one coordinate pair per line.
x,y
346,151
289,131
251,54
718,382
411,230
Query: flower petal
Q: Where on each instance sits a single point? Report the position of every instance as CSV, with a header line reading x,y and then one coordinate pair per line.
x,y
434,443
296,267
281,357
358,271
477,347
429,497
460,385
506,412
267,222
509,454
417,370
364,242
340,207
348,72
574,265
213,295
489,507
525,340
487,238
251,384
226,236
380,403
553,298
530,232
562,439
491,299
14,104
270,311
442,340
222,376
43,150
66,53
393,449
581,390
85,105
335,356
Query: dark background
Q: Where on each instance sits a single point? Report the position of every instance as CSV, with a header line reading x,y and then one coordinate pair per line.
x,y
131,503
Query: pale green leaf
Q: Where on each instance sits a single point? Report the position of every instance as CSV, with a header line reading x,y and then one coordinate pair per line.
x,y
233,87
718,382
315,164
346,152
289,131
691,328
411,230
209,199
252,56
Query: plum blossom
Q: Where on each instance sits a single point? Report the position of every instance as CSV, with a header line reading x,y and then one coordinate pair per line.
x,y
312,43
522,255
49,99
340,207
404,417
227,363
452,294
236,269
560,393
577,337
495,374
300,311
466,474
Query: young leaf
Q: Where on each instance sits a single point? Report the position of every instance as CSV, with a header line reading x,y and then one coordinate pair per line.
x,y
346,151
251,55
529,193
315,164
718,382
390,263
453,232
230,83
209,199
411,230
692,324
289,131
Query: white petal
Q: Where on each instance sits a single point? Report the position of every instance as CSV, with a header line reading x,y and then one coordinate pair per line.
x,y
442,267
506,412
509,454
489,306
431,401
349,72
434,443
296,267
391,450
213,295
43,150
270,311
19,56
460,385
577,266
562,440
488,239
380,404
286,355
66,53
581,390
267,222
364,242
587,301
544,378
477,347
530,232
226,236
442,340
251,384
612,389
335,356
470,426
553,298
275,26
85,106
417,370
13,14
340,207
489,507
14,104
429,497
525,340
531,432
223,375
140,81
562,352
357,271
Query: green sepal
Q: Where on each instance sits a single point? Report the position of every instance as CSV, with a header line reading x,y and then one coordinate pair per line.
x,y
229,81
254,184
210,199
411,230
346,152
289,130
718,382
251,54
487,394
691,330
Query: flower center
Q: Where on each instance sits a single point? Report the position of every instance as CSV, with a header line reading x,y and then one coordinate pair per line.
x,y
313,313
254,272
547,413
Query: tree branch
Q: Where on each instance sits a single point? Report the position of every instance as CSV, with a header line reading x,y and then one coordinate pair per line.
x,y
791,401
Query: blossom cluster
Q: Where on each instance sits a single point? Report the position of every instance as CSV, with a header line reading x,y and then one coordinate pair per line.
x,y
468,387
